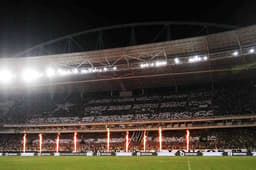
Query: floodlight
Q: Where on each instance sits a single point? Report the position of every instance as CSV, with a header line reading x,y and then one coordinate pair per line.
x,y
63,72
6,76
50,72
251,50
30,75
75,71
235,53
177,61
143,65
160,63
195,58
84,71
90,70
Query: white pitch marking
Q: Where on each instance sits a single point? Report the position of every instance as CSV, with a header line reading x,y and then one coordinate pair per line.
x,y
189,167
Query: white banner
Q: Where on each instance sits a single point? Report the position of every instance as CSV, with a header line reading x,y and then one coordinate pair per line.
x,y
190,153
212,153
89,154
253,153
239,154
1,154
11,154
123,153
56,154
45,154
27,154
165,154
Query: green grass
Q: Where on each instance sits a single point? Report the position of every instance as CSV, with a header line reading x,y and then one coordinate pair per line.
x,y
127,163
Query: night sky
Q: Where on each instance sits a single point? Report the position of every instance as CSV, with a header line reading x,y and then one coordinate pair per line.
x,y
26,23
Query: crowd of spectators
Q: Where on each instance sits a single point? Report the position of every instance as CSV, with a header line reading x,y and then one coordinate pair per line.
x,y
154,104
187,104
214,139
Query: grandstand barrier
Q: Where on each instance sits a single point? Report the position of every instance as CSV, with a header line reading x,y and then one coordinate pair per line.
x,y
192,154
178,153
73,154
227,154
182,153
123,153
28,154
89,154
45,154
105,154
56,154
212,153
11,154
146,154
165,154
239,154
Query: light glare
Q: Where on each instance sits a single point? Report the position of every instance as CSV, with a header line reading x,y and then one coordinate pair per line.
x,y
75,71
30,75
50,72
63,72
177,61
235,53
251,50
6,76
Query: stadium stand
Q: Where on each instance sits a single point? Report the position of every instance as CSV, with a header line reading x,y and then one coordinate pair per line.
x,y
205,102
155,104
199,103
217,139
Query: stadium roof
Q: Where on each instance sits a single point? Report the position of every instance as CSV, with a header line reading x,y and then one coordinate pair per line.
x,y
212,43
224,52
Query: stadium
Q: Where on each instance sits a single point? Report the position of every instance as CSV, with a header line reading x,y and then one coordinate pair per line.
x,y
186,102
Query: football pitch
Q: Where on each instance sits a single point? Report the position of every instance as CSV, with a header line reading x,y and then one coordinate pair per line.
x,y
127,163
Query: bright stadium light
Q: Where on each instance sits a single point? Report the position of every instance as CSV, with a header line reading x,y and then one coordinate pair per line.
x,y
153,64
75,71
84,71
177,61
197,58
50,72
190,60
6,77
160,63
94,70
63,72
90,70
251,50
194,59
30,75
144,65
235,53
